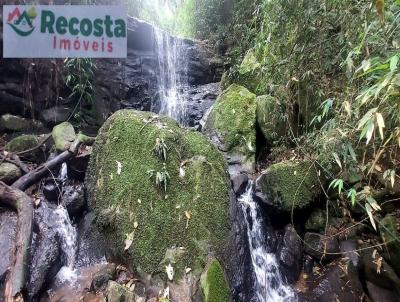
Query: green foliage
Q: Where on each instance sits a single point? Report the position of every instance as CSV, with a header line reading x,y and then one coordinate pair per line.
x,y
161,177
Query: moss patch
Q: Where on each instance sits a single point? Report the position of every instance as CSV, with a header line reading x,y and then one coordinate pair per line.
x,y
197,188
290,183
214,285
63,135
23,143
233,120
249,74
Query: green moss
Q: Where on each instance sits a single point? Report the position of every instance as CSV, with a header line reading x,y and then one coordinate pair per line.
x,y
225,81
249,74
270,118
291,184
233,119
23,143
63,135
214,285
316,221
120,200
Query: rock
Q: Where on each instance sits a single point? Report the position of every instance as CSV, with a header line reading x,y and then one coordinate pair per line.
x,y
8,230
73,199
63,135
290,254
317,221
56,115
315,245
225,82
231,123
13,123
101,278
26,142
290,184
378,294
270,118
77,166
9,173
91,245
140,219
239,183
249,74
118,293
52,189
390,235
387,278
348,248
334,285
213,283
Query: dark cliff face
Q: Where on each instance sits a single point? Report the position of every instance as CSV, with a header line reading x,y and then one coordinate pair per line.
x,y
28,87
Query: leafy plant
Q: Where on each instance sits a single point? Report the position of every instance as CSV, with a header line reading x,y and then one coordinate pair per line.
x,y
161,177
160,149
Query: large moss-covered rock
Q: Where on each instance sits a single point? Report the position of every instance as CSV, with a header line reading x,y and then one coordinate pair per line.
x,y
290,184
390,235
9,122
213,284
270,118
249,74
231,122
136,214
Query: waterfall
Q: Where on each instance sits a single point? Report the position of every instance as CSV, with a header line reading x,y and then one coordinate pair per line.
x,y
67,235
269,285
172,75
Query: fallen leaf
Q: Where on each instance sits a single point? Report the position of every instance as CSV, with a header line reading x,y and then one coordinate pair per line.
x,y
188,270
129,239
119,167
170,272
135,224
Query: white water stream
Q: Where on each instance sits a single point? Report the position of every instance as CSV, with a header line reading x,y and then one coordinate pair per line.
x,y
270,286
172,75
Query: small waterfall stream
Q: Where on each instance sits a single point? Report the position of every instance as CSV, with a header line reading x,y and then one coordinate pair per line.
x,y
172,75
270,286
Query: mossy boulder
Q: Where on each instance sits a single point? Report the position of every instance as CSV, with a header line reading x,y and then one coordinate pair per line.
x,y
24,143
143,223
270,118
9,173
63,136
290,184
9,122
249,74
231,122
117,293
213,283
390,235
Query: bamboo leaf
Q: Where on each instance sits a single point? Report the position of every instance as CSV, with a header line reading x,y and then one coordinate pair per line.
x,y
381,123
370,215
337,159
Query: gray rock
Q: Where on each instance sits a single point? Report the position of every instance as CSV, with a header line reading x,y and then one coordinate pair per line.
x,y
379,294
348,248
9,173
14,123
315,245
101,278
8,224
239,183
56,115
119,293
290,254
73,199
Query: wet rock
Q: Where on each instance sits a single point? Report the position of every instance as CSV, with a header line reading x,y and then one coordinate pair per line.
x,y
63,136
46,250
316,244
317,220
118,293
290,254
379,294
334,285
52,189
90,242
290,184
348,248
239,183
14,123
9,173
8,224
73,199
56,115
77,166
101,278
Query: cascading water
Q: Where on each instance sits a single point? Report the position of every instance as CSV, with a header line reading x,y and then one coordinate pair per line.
x,y
67,235
270,286
172,75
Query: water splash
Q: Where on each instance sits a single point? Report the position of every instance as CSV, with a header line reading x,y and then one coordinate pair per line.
x,y
270,286
172,75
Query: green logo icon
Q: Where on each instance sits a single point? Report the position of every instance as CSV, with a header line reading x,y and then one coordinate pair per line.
x,y
21,23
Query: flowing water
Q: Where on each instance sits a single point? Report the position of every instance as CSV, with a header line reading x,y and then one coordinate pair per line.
x,y
270,286
172,75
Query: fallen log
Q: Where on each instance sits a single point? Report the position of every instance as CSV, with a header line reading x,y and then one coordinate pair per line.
x,y
17,275
35,175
